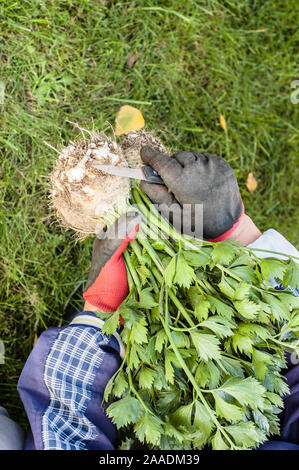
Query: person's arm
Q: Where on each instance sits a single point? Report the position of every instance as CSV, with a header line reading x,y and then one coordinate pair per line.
x,y
63,381
246,232
62,386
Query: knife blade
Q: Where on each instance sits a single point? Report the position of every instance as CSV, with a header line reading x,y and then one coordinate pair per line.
x,y
145,173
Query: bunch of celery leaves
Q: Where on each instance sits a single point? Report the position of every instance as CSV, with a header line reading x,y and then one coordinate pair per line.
x,y
206,335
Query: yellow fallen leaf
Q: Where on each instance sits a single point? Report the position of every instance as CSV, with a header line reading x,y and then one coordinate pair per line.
x,y
251,184
222,122
128,119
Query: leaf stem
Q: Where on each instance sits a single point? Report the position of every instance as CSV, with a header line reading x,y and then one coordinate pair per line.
x,y
165,324
132,270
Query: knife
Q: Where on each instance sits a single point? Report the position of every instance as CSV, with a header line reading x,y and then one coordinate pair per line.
x,y
145,173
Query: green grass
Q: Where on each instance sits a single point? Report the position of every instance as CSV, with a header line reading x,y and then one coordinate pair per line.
x,y
66,60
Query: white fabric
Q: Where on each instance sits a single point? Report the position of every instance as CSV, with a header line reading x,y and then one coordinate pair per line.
x,y
89,320
274,241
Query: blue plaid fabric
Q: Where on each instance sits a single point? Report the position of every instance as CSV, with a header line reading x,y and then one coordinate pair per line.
x,y
69,373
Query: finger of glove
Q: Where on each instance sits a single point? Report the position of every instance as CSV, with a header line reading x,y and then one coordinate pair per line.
x,y
157,193
168,206
112,243
168,168
215,165
185,158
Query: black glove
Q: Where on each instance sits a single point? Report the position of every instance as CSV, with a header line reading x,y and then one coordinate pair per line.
x,y
197,178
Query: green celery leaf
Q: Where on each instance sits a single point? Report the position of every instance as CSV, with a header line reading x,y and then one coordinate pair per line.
x,y
279,310
242,291
198,439
180,339
227,410
275,399
149,429
224,253
160,380
169,271
144,274
147,299
173,432
184,274
158,245
130,314
260,360
289,299
273,267
151,352
246,391
218,443
169,400
244,272
207,345
274,424
220,307
125,411
219,325
207,373
146,377
226,288
232,366
261,420
199,303
155,314
215,374
169,371
120,385
244,434
108,389
202,375
202,419
291,277
253,330
247,308
196,258
111,324
161,339
134,358
139,332
243,260
182,416
274,382
194,296
242,343
201,311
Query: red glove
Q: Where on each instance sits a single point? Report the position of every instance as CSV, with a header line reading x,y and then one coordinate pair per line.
x,y
107,285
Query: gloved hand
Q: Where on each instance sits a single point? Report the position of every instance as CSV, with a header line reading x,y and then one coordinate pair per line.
x,y
107,284
197,178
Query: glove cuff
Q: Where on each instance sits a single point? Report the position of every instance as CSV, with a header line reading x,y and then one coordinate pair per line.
x,y
224,236
102,303
110,288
